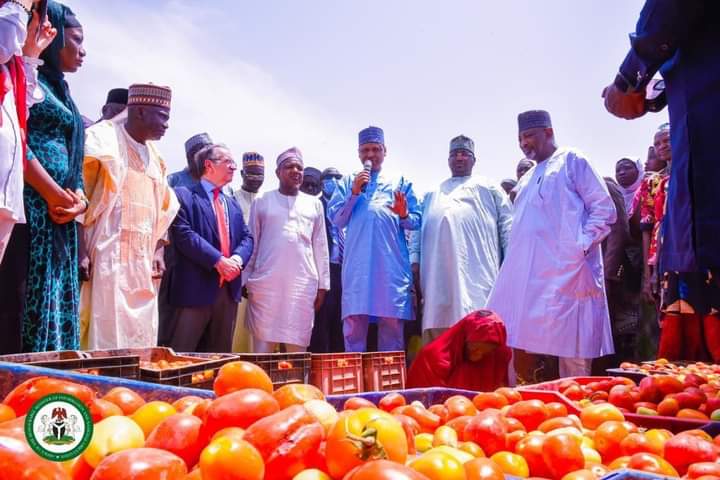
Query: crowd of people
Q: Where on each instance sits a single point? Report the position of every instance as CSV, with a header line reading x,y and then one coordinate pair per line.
x,y
101,248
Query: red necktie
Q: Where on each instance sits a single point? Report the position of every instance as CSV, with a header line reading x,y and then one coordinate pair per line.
x,y
222,224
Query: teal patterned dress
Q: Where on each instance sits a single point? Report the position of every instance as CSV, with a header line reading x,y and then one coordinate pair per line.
x,y
51,319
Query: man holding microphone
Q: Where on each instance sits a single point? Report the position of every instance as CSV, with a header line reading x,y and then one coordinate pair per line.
x,y
376,210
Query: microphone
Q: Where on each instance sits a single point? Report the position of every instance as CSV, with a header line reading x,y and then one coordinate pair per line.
x,y
367,168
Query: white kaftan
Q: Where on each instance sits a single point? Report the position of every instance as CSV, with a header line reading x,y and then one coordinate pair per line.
x,y
550,290
463,239
288,266
241,337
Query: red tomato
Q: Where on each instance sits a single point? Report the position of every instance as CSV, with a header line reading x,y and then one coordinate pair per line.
x,y
684,450
554,423
703,468
296,394
556,409
441,411
458,424
179,434
126,399
391,401
647,462
241,375
100,409
562,454
428,421
488,431
22,397
353,403
384,470
78,468
19,462
286,440
186,402
513,425
200,408
483,469
531,449
14,429
231,459
238,409
530,412
607,439
141,464
411,428
512,395
459,406
637,443
485,400
6,413
513,438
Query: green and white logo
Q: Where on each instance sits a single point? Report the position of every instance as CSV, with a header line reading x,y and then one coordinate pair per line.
x,y
58,427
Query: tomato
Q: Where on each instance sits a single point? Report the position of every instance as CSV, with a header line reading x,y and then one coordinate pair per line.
x,y
428,421
485,400
638,443
238,409
647,462
78,468
391,401
22,397
312,474
354,403
512,464
656,439
411,428
703,468
240,375
554,423
583,474
14,428
230,458
556,409
459,406
531,449
562,454
593,416
285,440
100,409
151,414
598,469
141,464
363,435
126,399
231,432
384,470
458,424
483,469
423,442
513,424
531,413
668,407
608,437
19,462
437,465
441,411
200,408
296,394
445,435
513,396
488,431
513,438
6,413
187,402
112,435
692,413
472,448
684,450
323,413
179,434
619,463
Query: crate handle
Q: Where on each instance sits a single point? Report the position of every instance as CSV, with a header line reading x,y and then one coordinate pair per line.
x,y
388,360
342,362
284,365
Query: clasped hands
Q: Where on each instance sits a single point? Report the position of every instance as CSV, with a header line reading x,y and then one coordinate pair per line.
x,y
228,268
65,205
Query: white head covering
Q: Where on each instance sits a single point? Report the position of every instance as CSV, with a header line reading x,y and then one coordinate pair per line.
x,y
629,192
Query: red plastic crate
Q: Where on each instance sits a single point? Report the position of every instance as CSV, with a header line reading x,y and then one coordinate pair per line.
x,y
337,373
383,371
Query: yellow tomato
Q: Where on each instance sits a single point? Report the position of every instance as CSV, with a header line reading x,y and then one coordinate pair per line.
x,y
324,412
227,458
231,432
110,435
423,442
151,414
312,474
511,464
657,438
439,465
445,435
472,448
591,455
457,454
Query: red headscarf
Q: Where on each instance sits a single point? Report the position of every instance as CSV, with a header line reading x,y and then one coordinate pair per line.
x,y
444,363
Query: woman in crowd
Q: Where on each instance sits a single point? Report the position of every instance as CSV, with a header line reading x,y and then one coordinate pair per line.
x,y
629,175
472,354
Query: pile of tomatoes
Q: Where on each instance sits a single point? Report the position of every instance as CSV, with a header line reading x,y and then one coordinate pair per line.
x,y
252,432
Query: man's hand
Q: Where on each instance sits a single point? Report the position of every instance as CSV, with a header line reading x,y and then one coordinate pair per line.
x,y
320,299
85,268
400,207
361,179
34,43
227,268
624,105
158,263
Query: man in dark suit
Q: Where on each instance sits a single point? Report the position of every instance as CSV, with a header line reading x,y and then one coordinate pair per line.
x,y
212,245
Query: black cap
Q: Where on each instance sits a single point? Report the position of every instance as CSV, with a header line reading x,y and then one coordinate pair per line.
x,y
117,95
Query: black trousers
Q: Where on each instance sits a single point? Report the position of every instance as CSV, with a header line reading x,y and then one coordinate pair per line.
x,y
13,287
327,335
205,329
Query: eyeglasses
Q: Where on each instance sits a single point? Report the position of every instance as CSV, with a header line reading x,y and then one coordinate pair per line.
x,y
224,161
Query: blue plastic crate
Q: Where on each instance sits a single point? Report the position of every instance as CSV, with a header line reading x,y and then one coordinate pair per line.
x,y
11,375
426,396
627,474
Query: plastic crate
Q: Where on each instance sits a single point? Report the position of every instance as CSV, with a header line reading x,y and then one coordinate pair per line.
x,y
11,375
283,368
383,371
634,375
126,366
337,373
627,474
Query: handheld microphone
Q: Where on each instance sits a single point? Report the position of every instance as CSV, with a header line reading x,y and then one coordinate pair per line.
x,y
367,168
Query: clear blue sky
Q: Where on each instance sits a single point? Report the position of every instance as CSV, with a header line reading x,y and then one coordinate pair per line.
x,y
268,75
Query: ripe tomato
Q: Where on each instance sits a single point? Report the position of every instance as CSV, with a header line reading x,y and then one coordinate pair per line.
x,y
513,396
556,409
126,399
186,402
458,424
230,458
608,437
459,406
703,468
78,468
593,416
531,449
240,375
531,413
22,397
428,421
14,428
232,432
483,469
6,413
179,434
364,435
554,423
513,438
638,443
485,400
286,440
684,450
472,448
562,454
238,409
391,401
488,431
100,409
151,414
512,464
441,411
384,470
112,435
445,435
619,463
200,408
354,403
513,425
141,464
692,413
598,469
437,465
296,394
19,462
647,462
583,474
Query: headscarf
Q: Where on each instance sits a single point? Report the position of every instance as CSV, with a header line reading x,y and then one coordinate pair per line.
x,y
628,193
62,17
444,363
